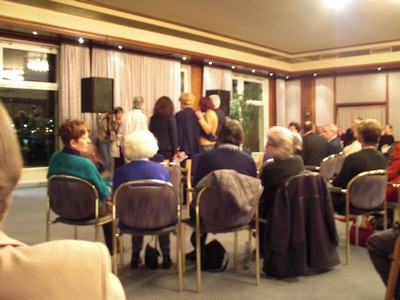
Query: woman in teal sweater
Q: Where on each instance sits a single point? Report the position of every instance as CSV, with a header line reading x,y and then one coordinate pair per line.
x,y
75,137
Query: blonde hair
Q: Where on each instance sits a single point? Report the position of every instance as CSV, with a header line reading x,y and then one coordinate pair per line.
x,y
139,144
187,99
11,164
138,102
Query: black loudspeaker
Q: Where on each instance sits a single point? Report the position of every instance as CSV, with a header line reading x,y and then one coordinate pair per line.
x,y
225,99
97,94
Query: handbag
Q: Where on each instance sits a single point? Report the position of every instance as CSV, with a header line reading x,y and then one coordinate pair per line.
x,y
364,231
214,257
151,255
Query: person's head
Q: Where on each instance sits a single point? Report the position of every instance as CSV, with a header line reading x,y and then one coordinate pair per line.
x,y
187,100
10,164
164,107
216,100
293,126
308,127
231,133
354,126
119,113
206,103
281,142
139,144
369,132
74,134
138,102
329,131
388,129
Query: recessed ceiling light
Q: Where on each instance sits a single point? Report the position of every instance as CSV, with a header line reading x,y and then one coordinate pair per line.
x,y
210,63
184,58
120,47
34,32
253,71
287,77
380,68
81,40
315,74
233,67
271,74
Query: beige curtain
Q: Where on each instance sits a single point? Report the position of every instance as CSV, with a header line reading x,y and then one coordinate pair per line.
x,y
217,79
346,115
133,75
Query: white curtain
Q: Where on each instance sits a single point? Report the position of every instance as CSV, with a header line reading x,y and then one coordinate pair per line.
x,y
133,75
346,115
217,79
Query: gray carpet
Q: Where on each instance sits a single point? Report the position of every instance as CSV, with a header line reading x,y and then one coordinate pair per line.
x,y
26,222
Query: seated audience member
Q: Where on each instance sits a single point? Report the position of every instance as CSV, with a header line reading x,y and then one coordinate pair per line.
x,y
294,127
280,147
329,132
70,161
315,147
380,247
351,143
367,159
387,139
227,155
393,171
139,146
53,270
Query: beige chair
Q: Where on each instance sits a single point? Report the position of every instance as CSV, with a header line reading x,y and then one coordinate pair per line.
x,y
147,207
225,215
76,202
331,166
365,194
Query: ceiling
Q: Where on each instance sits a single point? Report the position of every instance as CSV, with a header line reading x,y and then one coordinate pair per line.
x,y
289,26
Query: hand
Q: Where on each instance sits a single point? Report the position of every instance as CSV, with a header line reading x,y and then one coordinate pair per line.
x,y
199,114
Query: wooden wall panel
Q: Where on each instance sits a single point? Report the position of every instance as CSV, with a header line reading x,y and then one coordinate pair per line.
x,y
307,100
272,101
197,84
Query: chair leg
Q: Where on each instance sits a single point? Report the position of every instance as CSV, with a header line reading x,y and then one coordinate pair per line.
x,y
179,256
257,248
122,247
198,260
183,247
347,241
394,271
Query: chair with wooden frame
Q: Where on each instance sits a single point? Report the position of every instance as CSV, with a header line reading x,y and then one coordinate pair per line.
x,y
147,207
225,216
365,195
76,202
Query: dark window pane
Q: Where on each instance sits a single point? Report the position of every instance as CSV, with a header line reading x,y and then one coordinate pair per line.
x,y
32,112
21,65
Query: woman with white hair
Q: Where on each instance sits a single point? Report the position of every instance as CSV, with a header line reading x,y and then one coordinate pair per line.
x,y
139,146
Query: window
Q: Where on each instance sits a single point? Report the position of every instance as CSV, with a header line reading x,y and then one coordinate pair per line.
x,y
28,90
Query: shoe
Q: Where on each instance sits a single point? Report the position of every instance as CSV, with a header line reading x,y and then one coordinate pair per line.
x,y
135,261
191,255
167,262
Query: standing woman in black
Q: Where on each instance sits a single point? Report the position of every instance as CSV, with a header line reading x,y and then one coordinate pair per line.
x,y
163,126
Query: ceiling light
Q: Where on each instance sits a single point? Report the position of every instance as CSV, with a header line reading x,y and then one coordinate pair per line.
x,y
81,40
120,47
34,32
253,71
184,58
336,4
287,77
210,63
37,62
380,68
271,74
315,74
233,67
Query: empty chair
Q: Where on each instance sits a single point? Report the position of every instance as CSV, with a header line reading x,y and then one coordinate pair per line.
x,y
76,202
147,207
301,233
226,201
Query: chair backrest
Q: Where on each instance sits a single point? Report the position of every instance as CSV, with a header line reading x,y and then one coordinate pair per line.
x,y
227,199
71,197
331,166
146,204
367,190
175,174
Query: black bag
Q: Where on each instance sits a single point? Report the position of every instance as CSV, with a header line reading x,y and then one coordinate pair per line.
x,y
151,256
214,257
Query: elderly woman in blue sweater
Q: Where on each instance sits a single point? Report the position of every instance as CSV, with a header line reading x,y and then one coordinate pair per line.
x,y
70,161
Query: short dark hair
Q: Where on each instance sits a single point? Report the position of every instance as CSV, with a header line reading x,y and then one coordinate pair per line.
x,y
118,109
72,129
231,132
164,106
295,125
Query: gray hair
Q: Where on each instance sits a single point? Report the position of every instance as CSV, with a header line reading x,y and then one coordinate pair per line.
x,y
139,144
216,100
282,142
331,128
138,102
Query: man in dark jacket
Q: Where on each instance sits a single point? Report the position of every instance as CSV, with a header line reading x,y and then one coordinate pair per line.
x,y
315,147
